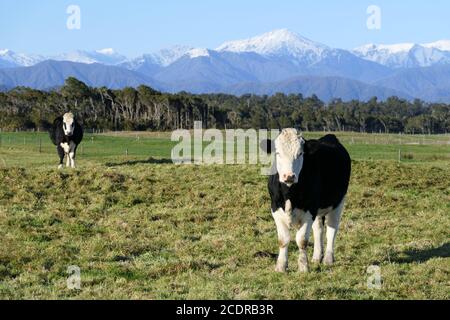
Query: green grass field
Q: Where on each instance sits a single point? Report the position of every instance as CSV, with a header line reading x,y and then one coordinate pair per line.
x,y
140,227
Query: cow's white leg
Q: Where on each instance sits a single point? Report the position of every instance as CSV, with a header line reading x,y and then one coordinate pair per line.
x,y
283,239
66,149
72,159
72,154
318,239
332,220
302,239
67,160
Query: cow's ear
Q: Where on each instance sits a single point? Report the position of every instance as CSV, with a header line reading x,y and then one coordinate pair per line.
x,y
302,142
300,137
267,146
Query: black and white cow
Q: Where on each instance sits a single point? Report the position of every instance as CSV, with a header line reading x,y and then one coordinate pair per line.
x,y
66,134
307,190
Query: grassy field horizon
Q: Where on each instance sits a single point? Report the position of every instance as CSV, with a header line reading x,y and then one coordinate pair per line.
x,y
141,227
35,148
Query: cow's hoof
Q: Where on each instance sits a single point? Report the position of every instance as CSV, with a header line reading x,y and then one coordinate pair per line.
x,y
280,268
328,260
303,268
60,167
317,257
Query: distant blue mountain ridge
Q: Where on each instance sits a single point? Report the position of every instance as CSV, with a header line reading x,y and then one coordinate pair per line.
x,y
279,61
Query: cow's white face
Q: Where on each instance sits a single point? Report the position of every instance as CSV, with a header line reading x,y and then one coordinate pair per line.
x,y
289,156
68,124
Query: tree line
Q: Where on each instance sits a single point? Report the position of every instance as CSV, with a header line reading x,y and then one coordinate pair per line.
x,y
144,108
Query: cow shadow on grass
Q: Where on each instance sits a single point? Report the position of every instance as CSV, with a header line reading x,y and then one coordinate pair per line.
x,y
150,160
407,256
266,254
423,255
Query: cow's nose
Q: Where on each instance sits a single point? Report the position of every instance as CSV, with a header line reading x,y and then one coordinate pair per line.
x,y
289,177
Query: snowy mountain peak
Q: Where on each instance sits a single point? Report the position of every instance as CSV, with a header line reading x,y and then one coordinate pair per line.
x,y
75,56
387,48
10,58
198,52
281,42
106,51
155,60
167,56
106,56
443,45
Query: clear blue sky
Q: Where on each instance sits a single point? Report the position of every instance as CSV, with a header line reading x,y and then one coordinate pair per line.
x,y
137,26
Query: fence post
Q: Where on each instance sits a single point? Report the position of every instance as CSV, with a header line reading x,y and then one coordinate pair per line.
x,y
40,145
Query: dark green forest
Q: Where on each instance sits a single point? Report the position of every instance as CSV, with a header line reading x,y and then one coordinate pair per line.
x,y
144,108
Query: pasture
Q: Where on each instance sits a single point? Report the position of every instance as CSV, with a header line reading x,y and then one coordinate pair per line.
x,y
140,227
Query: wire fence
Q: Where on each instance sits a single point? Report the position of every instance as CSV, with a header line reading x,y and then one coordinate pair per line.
x,y
401,147
391,139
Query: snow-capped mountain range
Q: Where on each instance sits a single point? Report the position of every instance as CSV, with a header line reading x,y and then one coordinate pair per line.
x,y
277,43
406,55
275,59
10,58
104,56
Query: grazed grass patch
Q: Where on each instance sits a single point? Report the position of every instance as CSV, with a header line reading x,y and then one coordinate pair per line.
x,y
164,231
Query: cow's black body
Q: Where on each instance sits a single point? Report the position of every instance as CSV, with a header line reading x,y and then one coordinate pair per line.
x,y
323,179
57,136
